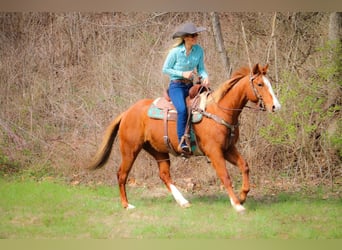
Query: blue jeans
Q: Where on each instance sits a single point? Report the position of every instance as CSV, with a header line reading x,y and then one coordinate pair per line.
x,y
178,92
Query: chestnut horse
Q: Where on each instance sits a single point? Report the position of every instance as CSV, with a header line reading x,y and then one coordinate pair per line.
x,y
216,137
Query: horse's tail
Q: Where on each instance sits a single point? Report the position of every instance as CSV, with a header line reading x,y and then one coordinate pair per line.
x,y
103,153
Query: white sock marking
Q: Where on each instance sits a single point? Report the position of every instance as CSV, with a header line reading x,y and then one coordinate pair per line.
x,y
178,196
238,207
130,207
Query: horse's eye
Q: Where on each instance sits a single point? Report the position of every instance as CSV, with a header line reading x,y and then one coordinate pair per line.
x,y
260,84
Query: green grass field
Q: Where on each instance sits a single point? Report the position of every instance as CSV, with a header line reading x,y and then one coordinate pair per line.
x,y
52,210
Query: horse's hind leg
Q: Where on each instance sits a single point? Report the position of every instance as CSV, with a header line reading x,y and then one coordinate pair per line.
x,y
163,160
164,174
128,155
234,157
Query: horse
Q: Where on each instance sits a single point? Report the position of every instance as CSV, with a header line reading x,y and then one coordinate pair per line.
x,y
217,133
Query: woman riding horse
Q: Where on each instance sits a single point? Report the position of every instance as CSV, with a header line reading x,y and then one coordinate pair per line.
x,y
183,60
217,134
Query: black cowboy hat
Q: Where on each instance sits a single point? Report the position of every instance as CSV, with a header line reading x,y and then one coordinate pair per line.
x,y
187,28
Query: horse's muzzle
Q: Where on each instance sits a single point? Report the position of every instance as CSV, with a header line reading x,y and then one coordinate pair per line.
x,y
276,107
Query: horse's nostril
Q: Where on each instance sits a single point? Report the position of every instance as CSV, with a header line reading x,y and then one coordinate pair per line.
x,y
276,107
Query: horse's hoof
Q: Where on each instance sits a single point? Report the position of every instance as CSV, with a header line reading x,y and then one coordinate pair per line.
x,y
240,209
130,207
186,205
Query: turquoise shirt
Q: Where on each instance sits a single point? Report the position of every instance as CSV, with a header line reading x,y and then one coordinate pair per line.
x,y
177,62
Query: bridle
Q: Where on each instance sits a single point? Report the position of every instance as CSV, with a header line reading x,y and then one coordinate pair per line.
x,y
261,102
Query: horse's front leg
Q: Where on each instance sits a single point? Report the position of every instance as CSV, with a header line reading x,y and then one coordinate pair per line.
x,y
235,158
219,163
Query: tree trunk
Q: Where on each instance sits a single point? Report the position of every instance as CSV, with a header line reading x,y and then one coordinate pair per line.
x,y
220,43
335,26
335,90
335,36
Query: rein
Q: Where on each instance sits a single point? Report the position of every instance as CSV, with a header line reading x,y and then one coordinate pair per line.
x,y
261,103
256,93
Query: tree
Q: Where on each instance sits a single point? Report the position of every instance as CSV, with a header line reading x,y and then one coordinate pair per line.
x,y
220,43
335,26
335,38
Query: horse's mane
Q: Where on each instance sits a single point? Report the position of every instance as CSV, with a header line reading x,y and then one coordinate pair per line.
x,y
226,86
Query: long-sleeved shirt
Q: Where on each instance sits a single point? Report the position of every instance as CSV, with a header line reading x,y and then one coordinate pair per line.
x,y
177,62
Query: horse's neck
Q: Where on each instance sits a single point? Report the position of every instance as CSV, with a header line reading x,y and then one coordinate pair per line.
x,y
234,100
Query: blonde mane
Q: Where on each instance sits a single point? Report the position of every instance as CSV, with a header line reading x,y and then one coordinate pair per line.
x,y
226,86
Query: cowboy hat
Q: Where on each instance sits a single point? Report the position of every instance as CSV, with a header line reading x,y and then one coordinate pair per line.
x,y
187,28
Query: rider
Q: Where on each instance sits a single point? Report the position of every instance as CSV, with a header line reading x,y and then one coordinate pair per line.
x,y
184,59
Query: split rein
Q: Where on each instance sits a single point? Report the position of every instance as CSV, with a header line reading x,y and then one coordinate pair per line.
x,y
261,103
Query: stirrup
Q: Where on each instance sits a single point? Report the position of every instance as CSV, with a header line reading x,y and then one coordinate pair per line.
x,y
185,138
185,151
184,146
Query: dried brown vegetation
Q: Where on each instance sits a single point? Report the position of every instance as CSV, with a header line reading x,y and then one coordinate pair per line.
x,y
65,76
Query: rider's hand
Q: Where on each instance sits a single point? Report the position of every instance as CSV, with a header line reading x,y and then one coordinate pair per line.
x,y
187,74
205,82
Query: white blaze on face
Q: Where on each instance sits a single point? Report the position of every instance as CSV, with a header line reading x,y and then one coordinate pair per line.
x,y
276,103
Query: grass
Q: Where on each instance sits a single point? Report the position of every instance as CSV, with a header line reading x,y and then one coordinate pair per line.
x,y
52,210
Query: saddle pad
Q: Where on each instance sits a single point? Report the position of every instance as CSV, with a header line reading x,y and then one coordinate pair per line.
x,y
156,111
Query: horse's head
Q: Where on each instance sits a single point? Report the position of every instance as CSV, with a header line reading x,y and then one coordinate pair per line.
x,y
262,89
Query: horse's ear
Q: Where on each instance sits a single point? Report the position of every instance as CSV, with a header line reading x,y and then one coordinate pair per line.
x,y
264,70
256,69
